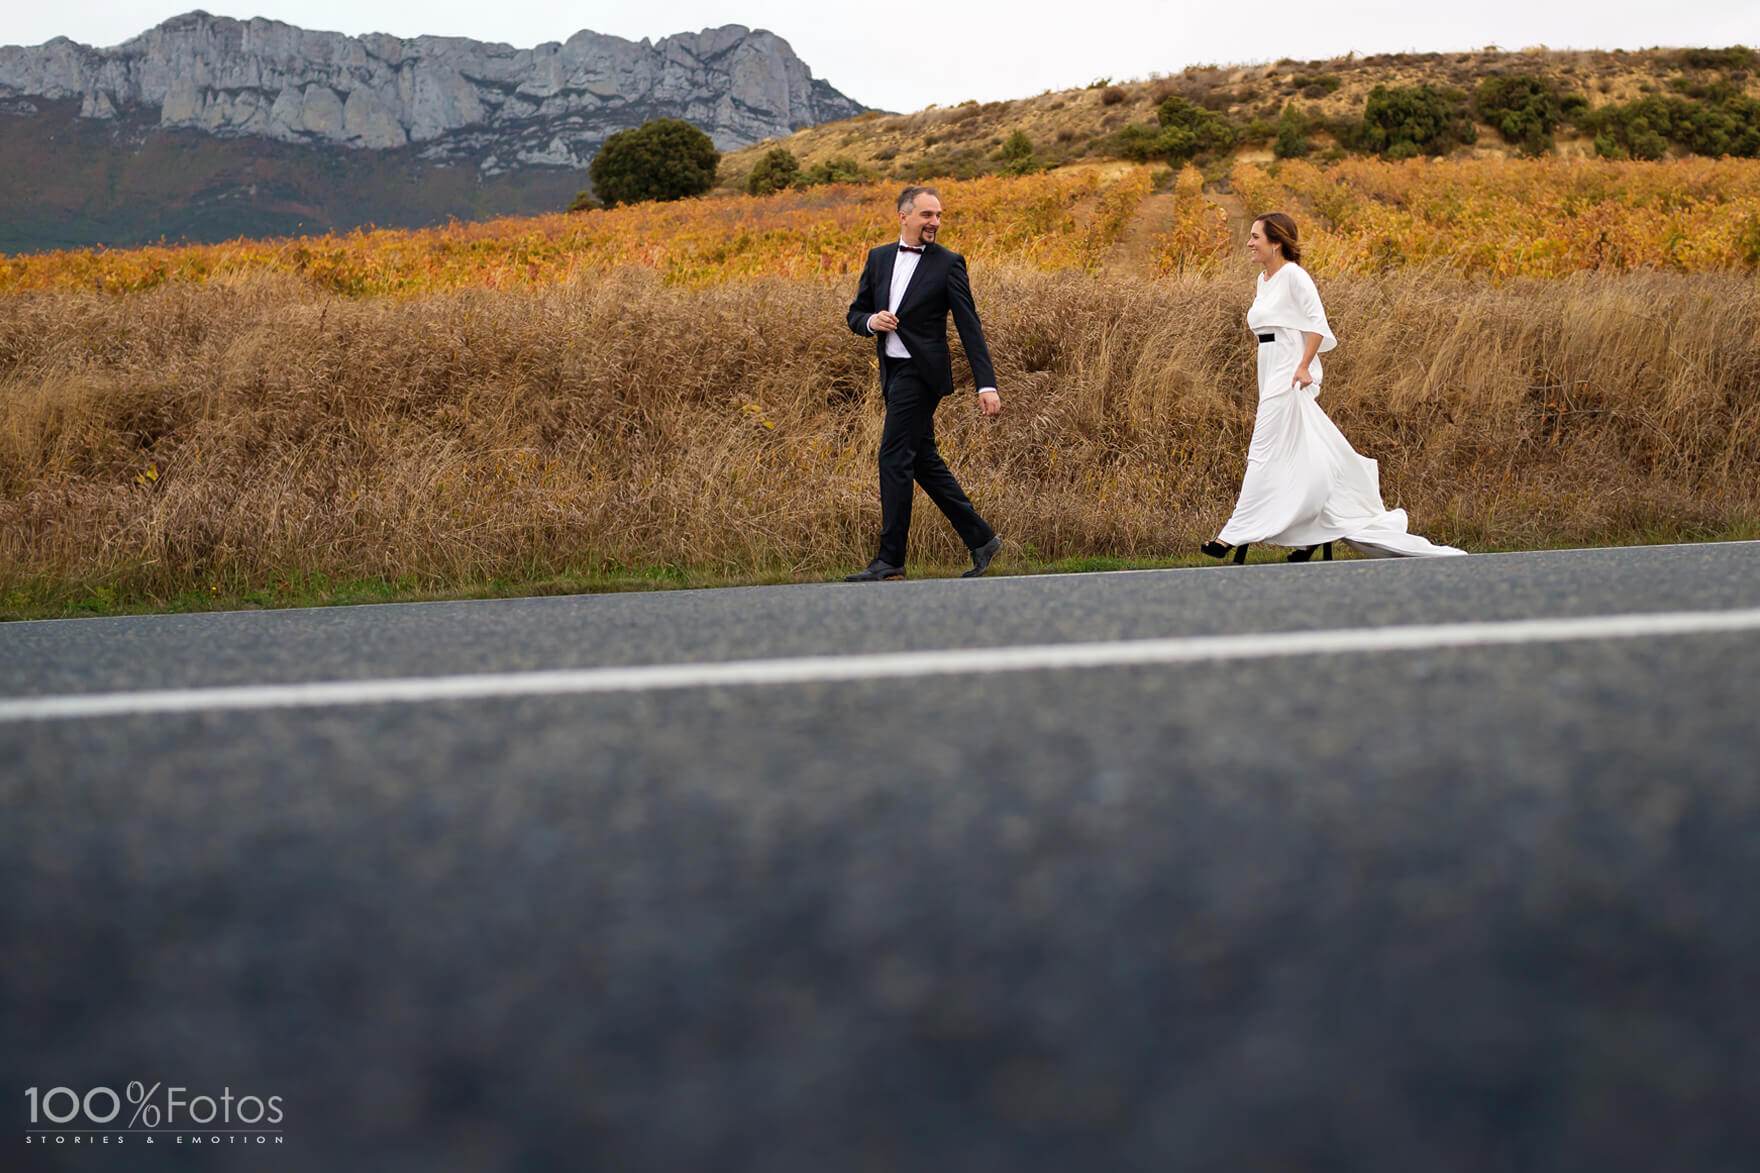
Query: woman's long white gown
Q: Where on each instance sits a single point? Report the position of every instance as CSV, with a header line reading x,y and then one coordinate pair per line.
x,y
1305,484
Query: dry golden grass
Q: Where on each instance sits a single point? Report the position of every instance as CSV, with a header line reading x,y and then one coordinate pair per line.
x,y
161,442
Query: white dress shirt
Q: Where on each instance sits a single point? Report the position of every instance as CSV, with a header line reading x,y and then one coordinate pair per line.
x,y
902,269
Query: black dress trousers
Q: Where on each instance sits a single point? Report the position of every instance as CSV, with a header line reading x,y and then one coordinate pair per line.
x,y
908,455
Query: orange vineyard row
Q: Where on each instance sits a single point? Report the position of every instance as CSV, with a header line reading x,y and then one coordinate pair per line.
x,y
1493,218
1048,221
1517,218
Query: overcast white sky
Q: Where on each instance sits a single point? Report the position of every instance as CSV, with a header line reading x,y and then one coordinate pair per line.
x,y
904,56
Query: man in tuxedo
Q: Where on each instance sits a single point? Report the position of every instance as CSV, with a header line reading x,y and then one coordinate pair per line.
x,y
906,292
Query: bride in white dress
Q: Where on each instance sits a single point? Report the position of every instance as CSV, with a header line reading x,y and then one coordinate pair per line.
x,y
1305,485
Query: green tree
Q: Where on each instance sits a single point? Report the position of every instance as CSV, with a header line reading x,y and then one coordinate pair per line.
x,y
584,202
1187,128
1643,141
1137,142
665,159
1525,109
1017,153
1725,122
842,169
776,171
1292,140
1404,121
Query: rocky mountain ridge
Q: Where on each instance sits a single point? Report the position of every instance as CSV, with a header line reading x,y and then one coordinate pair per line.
x,y
449,99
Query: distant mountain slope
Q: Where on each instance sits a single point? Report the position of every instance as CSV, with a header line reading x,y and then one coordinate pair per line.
x,y
206,127
69,182
1326,98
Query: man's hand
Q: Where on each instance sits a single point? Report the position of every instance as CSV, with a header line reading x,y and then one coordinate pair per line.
x,y
990,403
883,322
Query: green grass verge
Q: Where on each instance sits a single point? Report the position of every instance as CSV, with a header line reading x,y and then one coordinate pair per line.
x,y
44,598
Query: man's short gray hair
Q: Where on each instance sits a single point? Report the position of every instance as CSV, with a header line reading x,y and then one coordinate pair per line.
x,y
908,196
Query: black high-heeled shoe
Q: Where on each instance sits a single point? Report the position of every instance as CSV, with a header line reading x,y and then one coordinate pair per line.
x,y
1218,549
1307,552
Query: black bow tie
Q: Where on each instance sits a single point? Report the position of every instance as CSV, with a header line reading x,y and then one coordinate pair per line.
x,y
910,248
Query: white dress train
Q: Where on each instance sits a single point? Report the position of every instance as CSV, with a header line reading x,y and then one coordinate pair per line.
x,y
1305,484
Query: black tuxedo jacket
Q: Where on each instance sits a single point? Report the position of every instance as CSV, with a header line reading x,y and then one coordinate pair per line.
x,y
938,287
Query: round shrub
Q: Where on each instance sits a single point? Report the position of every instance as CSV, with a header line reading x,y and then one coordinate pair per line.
x,y
664,159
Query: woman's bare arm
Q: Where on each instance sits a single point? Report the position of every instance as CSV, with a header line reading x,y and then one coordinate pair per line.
x,y
1303,378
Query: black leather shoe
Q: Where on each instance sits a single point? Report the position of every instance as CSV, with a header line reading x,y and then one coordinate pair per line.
x,y
875,571
981,556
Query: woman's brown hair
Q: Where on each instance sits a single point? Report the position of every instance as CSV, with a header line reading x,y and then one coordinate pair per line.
x,y
1281,229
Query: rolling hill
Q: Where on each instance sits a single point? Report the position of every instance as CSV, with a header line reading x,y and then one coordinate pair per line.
x,y
1327,100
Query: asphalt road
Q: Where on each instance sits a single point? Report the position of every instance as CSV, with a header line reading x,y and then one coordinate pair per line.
x,y
1483,907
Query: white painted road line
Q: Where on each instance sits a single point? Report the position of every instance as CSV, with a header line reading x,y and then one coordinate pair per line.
x,y
880,666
